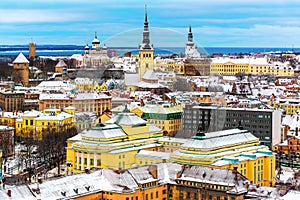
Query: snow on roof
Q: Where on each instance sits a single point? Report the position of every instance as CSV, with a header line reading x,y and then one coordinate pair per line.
x,y
150,75
76,96
156,155
163,109
127,119
20,59
258,61
221,60
61,63
107,131
292,194
59,117
143,84
142,175
221,139
131,79
2,128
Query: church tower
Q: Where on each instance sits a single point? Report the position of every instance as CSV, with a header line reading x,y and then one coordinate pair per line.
x,y
190,47
96,43
32,50
146,52
21,70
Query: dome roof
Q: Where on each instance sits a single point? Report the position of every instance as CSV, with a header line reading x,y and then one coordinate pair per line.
x,y
95,41
87,47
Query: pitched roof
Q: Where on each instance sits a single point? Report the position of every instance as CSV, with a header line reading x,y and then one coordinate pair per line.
x,y
127,119
131,79
150,75
20,59
61,63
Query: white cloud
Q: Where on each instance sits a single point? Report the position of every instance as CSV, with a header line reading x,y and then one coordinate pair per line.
x,y
36,16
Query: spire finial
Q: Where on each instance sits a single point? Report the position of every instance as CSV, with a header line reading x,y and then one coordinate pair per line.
x,y
146,13
190,34
96,34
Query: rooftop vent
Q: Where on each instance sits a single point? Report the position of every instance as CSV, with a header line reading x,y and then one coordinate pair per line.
x,y
64,193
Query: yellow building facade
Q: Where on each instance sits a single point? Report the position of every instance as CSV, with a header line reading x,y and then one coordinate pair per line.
x,y
252,65
291,106
113,144
33,124
229,149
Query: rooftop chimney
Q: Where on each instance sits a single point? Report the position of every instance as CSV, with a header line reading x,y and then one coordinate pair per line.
x,y
153,171
9,193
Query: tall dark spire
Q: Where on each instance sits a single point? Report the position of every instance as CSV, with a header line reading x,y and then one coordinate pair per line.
x,y
146,41
146,18
190,35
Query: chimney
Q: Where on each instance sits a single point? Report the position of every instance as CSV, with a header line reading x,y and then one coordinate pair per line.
x,y
153,170
9,193
286,129
235,172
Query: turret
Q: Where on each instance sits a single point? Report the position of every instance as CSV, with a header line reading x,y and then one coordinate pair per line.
x,y
96,43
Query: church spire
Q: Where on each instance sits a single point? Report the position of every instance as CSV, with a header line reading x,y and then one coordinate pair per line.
x,y
95,35
146,41
190,35
146,18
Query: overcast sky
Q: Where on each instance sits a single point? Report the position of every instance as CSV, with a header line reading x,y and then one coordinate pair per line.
x,y
215,23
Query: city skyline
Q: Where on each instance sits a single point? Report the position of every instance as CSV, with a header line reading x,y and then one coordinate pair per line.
x,y
118,23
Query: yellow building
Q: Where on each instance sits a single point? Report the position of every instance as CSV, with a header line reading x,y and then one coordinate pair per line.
x,y
113,144
259,66
228,66
290,105
60,66
34,124
164,116
168,117
82,101
9,118
281,69
126,141
252,65
229,149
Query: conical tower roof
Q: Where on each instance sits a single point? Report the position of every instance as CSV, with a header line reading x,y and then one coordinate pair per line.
x,y
20,59
61,63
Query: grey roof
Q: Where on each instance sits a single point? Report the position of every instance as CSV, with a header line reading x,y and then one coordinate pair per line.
x,y
156,155
20,59
224,177
127,119
150,75
131,79
110,180
154,128
104,132
141,174
221,139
